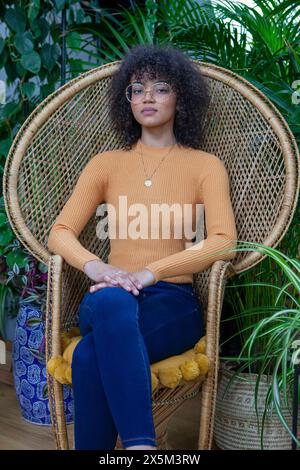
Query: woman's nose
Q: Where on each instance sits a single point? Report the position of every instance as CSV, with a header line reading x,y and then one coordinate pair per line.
x,y
150,92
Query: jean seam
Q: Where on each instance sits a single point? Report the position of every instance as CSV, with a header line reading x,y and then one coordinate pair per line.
x,y
87,307
81,312
145,366
139,437
88,313
147,383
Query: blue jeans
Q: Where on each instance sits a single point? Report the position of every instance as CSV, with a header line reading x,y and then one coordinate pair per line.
x,y
122,335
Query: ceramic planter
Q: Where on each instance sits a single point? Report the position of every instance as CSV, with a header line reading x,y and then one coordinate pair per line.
x,y
29,368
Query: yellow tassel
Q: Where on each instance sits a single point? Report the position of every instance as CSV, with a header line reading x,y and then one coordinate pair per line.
x,y
203,363
190,370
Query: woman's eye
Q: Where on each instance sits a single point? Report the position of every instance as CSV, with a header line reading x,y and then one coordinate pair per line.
x,y
161,89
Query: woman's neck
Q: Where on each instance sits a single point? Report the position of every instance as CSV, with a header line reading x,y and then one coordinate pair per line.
x,y
162,141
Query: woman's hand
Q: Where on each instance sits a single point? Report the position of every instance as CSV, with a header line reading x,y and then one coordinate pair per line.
x,y
101,273
131,281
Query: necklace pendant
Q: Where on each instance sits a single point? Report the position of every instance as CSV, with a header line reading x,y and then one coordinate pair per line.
x,y
148,182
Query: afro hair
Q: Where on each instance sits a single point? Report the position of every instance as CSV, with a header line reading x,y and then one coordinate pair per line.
x,y
162,62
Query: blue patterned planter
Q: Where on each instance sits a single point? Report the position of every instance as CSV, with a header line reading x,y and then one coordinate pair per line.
x,y
29,368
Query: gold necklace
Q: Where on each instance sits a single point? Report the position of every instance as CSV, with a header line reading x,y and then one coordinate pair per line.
x,y
148,180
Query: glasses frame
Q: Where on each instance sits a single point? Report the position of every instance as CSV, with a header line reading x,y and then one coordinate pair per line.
x,y
151,89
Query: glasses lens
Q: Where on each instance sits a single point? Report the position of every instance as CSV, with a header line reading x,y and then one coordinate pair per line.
x,y
136,92
161,89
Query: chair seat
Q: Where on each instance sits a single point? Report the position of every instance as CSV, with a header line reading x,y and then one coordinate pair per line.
x,y
169,372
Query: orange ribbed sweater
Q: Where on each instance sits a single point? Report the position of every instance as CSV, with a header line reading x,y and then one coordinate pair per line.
x,y
185,176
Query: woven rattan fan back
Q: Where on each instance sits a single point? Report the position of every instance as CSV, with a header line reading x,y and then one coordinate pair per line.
x,y
242,127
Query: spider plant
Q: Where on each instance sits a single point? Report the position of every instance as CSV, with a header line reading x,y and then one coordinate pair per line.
x,y
269,333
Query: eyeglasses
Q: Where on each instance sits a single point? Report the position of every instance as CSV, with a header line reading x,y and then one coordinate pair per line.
x,y
160,91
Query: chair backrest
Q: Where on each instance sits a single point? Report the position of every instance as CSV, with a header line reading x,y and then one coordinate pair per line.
x,y
242,127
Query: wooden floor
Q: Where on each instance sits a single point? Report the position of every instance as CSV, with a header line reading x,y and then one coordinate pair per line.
x,y
16,433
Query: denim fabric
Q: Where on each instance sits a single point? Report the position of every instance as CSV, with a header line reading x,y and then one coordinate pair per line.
x,y
122,335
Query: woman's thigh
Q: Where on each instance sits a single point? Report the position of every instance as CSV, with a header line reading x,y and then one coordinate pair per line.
x,y
170,319
108,306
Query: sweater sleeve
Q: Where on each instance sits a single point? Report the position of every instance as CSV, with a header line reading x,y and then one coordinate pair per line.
x,y
220,228
87,194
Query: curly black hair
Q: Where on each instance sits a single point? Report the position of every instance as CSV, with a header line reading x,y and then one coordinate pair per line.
x,y
170,64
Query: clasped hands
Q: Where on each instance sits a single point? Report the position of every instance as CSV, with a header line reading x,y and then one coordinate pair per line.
x,y
106,275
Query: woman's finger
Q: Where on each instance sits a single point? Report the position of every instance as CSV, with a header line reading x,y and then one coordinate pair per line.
x,y
134,284
124,279
126,283
97,286
109,278
100,285
135,281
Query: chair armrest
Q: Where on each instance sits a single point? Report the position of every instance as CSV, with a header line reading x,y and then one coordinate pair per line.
x,y
53,307
65,289
220,272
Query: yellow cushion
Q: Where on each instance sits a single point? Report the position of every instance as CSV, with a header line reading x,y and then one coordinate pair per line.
x,y
169,372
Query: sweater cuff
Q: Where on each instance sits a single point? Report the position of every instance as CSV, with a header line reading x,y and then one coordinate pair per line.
x,y
155,272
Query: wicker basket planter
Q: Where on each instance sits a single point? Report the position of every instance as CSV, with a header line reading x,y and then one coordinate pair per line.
x,y
236,424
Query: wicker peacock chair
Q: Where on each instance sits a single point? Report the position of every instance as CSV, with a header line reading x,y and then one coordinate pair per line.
x,y
71,125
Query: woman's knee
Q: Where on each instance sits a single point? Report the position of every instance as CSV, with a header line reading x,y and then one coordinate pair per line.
x,y
110,295
111,306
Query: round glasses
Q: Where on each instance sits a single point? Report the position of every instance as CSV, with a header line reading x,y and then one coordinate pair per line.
x,y
160,91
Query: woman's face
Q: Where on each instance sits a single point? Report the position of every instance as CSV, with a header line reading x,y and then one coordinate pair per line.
x,y
164,111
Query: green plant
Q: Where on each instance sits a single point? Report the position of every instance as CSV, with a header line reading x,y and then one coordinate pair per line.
x,y
260,44
270,333
252,296
30,54
23,278
8,307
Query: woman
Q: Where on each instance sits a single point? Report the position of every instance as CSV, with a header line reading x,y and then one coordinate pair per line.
x,y
142,307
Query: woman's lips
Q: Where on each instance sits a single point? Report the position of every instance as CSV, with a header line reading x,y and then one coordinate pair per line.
x,y
149,112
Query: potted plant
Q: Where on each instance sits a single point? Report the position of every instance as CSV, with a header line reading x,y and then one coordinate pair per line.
x,y
255,393
8,291
27,278
8,312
